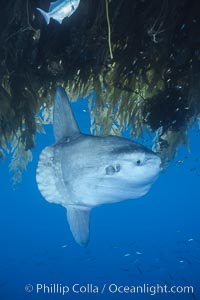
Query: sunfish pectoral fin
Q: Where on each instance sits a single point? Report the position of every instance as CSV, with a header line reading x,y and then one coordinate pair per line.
x,y
64,123
79,220
44,14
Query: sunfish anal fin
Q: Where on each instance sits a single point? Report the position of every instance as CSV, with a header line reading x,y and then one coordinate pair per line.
x,y
64,123
79,220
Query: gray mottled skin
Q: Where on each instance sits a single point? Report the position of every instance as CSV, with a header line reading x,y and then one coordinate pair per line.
x,y
83,171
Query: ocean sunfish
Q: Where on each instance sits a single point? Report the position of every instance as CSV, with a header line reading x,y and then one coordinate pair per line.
x,y
59,10
82,171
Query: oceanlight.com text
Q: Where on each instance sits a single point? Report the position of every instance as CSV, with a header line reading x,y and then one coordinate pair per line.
x,y
112,288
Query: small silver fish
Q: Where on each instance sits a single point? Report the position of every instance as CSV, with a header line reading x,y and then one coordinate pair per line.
x,y
138,253
59,10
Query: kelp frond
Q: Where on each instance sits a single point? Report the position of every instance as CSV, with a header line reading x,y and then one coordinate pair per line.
x,y
141,59
19,161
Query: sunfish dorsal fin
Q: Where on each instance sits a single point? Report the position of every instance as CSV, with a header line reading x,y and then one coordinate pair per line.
x,y
79,220
64,123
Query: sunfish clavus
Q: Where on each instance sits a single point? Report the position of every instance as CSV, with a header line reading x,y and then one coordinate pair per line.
x,y
83,171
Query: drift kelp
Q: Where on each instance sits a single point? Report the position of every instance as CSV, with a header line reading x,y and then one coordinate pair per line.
x,y
150,81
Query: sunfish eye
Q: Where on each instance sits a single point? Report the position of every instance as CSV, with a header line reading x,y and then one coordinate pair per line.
x,y
138,162
110,170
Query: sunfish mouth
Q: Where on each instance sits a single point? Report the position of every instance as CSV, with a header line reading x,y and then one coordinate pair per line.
x,y
146,169
155,160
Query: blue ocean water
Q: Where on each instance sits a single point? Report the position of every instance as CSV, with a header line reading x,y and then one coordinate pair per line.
x,y
150,242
